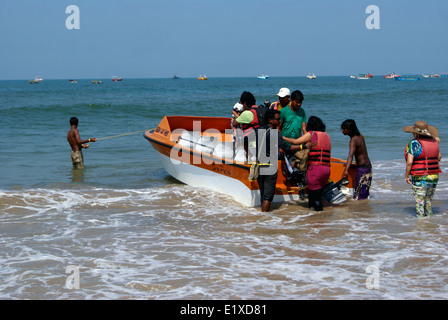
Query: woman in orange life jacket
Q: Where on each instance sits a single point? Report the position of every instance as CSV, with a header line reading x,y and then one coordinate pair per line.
x,y
318,171
422,156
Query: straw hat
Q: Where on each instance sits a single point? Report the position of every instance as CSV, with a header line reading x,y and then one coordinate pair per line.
x,y
422,128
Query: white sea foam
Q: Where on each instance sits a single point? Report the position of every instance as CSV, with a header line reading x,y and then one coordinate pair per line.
x,y
180,242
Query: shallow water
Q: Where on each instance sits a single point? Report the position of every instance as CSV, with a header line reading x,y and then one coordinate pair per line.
x,y
133,232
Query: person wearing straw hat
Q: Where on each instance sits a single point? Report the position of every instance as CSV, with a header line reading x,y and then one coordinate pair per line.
x,y
77,144
422,156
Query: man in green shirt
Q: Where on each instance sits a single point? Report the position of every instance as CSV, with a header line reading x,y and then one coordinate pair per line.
x,y
293,117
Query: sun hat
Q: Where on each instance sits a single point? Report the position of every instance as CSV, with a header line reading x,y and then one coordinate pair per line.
x,y
422,128
238,107
283,92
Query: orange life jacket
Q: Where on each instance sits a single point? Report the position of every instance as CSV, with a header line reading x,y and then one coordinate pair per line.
x,y
320,155
258,121
427,162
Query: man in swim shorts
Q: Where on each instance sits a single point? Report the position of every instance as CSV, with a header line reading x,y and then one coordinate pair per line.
x,y
77,144
358,149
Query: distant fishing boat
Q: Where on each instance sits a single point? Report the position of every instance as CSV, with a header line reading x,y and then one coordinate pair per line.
x,y
311,76
116,78
36,80
391,75
202,77
97,82
175,77
406,79
263,76
364,76
434,75
72,81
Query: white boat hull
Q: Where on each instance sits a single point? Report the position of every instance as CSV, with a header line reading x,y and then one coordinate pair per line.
x,y
203,178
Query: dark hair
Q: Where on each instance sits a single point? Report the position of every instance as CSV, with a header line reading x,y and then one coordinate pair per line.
x,y
248,98
315,124
270,114
297,95
350,125
73,121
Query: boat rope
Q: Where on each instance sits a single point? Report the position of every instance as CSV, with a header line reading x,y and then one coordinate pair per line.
x,y
116,136
120,135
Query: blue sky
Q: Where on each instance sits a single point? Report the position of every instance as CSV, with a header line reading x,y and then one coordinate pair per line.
x,y
222,38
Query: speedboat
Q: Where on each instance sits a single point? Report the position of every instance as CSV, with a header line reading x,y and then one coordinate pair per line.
x,y
202,152
311,76
116,78
203,77
263,77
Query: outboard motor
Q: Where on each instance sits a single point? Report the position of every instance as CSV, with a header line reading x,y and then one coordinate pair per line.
x,y
332,191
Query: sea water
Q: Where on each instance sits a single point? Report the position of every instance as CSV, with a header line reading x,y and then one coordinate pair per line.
x,y
122,228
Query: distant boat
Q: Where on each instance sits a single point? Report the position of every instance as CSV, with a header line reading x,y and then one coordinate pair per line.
x,y
434,75
202,77
115,78
263,76
364,76
406,79
72,81
36,80
175,77
391,75
311,76
97,82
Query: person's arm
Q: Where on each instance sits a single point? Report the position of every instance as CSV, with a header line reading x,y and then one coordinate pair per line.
x,y
235,123
409,160
304,127
439,157
80,142
351,153
303,139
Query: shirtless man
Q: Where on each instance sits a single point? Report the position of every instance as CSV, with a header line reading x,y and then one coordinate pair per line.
x,y
77,144
358,149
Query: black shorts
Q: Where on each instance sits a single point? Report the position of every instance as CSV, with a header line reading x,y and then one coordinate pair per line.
x,y
267,187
